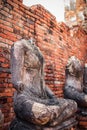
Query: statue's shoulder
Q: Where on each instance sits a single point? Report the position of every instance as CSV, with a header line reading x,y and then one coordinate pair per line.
x,y
20,42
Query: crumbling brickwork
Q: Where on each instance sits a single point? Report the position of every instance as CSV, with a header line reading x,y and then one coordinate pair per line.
x,y
74,12
56,41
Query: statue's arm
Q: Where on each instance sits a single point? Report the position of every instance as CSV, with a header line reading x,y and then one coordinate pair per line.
x,y
53,100
72,93
50,93
17,62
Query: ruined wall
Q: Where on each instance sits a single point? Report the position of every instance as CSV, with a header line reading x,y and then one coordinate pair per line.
x,y
56,41
74,12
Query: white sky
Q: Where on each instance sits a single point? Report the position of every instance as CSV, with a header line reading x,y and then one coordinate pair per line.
x,y
56,7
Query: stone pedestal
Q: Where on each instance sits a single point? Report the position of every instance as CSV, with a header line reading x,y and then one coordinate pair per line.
x,y
70,124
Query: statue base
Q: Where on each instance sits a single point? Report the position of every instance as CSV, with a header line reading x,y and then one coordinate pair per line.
x,y
17,124
70,124
82,119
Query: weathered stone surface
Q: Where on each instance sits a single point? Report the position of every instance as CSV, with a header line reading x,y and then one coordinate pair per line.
x,y
69,124
76,88
34,102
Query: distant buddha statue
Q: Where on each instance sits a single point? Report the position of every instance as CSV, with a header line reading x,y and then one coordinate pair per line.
x,y
35,105
75,88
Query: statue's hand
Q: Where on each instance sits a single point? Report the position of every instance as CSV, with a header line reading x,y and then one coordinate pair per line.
x,y
20,86
53,101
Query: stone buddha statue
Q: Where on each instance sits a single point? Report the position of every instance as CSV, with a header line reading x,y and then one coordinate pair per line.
x,y
35,105
74,87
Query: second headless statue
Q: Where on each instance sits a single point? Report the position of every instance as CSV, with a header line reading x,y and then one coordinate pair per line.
x,y
76,83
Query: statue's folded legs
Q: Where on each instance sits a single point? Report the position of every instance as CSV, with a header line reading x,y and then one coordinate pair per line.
x,y
34,103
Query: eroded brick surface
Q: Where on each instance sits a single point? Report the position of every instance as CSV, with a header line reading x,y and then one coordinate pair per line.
x,y
74,12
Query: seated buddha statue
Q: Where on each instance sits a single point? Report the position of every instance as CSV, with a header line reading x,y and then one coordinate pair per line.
x,y
35,105
76,83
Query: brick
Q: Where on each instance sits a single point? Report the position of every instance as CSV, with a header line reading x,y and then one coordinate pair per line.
x,y
10,85
6,28
9,99
5,23
5,65
13,4
2,59
6,9
11,36
2,89
3,35
9,42
4,13
18,11
3,75
2,40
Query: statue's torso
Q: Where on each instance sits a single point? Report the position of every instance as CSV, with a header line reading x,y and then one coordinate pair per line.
x,y
32,75
76,83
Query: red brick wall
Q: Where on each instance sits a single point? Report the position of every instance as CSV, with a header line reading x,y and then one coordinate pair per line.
x,y
56,41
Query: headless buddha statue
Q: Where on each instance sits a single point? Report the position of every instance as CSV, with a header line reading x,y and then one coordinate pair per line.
x,y
75,88
34,103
